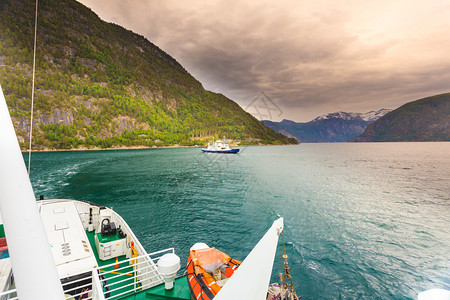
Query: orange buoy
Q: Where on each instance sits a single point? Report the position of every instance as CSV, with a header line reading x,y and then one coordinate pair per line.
x,y
116,266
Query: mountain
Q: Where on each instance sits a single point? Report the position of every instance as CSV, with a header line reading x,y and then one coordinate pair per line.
x,y
370,116
426,119
100,85
332,127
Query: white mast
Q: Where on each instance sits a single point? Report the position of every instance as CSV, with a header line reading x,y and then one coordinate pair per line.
x,y
251,280
32,261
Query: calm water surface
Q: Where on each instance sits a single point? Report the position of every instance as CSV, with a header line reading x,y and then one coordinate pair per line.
x,y
362,221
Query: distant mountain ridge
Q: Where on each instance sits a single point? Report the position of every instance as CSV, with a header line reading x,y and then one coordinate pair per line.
x,y
426,119
370,116
332,127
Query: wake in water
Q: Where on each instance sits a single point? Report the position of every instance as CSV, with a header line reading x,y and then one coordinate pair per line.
x,y
50,174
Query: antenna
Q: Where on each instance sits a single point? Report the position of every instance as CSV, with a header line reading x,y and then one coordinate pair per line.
x,y
32,87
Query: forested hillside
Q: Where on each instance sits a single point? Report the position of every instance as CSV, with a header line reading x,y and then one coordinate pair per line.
x,y
100,85
426,119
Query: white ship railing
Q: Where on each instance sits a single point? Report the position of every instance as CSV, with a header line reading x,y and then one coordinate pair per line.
x,y
10,295
94,285
83,284
135,275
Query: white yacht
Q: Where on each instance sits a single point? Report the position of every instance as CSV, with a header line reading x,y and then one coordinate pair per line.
x,y
219,147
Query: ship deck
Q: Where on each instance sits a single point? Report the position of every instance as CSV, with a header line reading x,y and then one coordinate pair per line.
x,y
179,292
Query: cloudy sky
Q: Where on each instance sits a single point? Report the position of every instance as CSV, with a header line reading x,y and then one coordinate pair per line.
x,y
309,57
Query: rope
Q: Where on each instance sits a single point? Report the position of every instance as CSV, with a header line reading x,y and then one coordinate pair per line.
x,y
287,276
32,87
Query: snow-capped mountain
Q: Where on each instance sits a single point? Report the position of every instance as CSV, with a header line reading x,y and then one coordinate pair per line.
x,y
332,127
370,116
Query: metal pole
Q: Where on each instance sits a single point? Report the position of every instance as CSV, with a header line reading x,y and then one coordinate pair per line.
x,y
32,88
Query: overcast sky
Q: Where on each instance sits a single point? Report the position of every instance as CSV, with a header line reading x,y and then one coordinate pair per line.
x,y
309,57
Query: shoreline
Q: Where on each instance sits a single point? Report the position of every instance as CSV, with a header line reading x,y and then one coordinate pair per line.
x,y
108,149
138,148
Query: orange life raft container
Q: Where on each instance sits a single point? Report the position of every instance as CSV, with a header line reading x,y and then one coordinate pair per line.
x,y
207,271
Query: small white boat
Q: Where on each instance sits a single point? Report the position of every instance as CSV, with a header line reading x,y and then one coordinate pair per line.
x,y
219,147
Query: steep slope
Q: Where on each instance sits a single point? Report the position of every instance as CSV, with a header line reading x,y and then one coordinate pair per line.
x,y
332,127
99,84
426,119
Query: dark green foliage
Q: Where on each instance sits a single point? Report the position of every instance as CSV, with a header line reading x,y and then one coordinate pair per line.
x,y
427,119
112,86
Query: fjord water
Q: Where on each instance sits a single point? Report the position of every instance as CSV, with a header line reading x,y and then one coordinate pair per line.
x,y
362,221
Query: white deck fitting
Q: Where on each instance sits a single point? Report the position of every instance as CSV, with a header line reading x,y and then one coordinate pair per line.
x,y
434,294
68,240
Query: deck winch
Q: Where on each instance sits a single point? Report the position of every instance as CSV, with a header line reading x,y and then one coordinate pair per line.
x,y
110,241
108,228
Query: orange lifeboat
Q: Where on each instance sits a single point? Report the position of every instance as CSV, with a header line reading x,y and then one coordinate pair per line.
x,y
207,271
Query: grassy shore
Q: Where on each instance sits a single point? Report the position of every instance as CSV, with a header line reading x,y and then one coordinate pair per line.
x,y
139,147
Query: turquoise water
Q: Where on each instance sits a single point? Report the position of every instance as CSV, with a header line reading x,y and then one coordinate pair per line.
x,y
362,221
